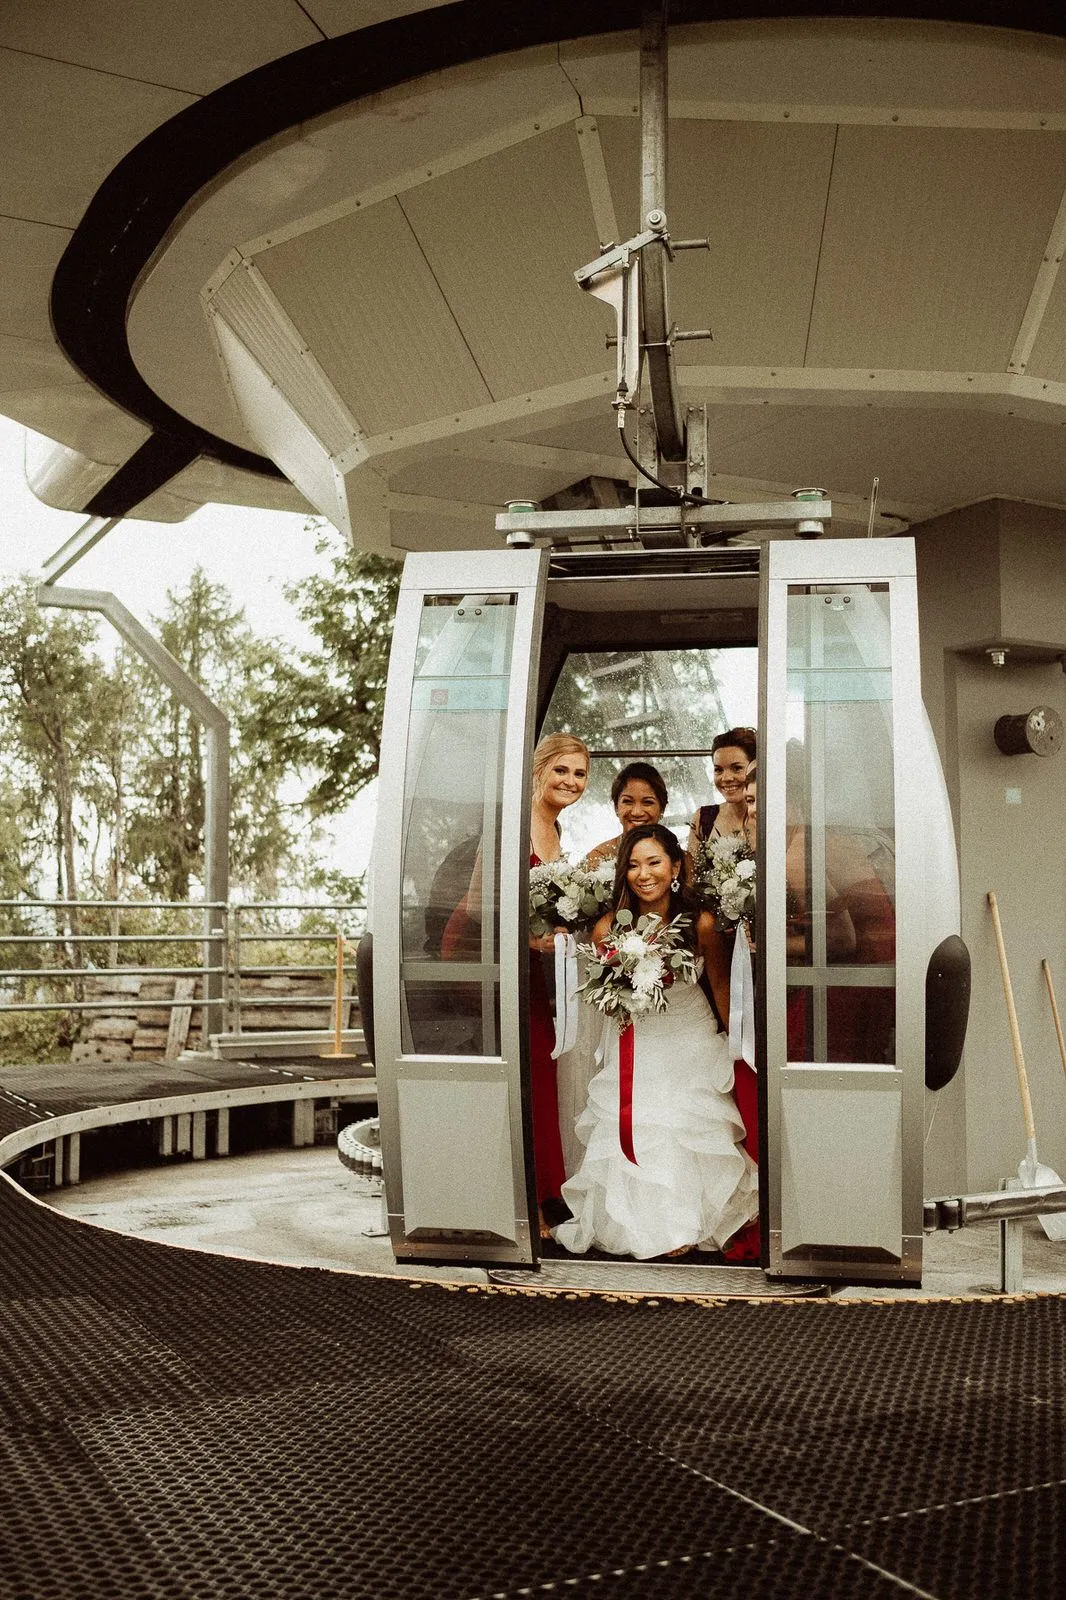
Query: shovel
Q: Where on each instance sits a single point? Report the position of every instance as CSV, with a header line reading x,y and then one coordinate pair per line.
x,y
1031,1171
1054,1011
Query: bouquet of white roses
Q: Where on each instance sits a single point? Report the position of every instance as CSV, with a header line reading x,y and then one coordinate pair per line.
x,y
629,975
724,877
561,894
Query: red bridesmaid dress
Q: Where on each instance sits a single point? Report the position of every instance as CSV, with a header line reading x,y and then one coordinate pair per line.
x,y
543,1082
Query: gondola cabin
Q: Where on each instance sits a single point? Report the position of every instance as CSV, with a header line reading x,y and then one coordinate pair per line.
x,y
650,652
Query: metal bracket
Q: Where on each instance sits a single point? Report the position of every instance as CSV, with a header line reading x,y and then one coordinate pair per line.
x,y
525,525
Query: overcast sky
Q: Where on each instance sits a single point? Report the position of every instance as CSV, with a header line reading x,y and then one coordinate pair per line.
x,y
252,552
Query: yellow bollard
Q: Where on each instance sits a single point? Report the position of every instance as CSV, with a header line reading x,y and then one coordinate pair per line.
x,y
338,1053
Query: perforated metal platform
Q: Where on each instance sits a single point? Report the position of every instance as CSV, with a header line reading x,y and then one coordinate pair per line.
x,y
634,1277
189,1426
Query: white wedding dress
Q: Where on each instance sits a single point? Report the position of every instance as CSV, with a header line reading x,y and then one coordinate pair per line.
x,y
694,1183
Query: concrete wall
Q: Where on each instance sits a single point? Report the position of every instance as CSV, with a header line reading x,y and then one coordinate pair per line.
x,y
996,573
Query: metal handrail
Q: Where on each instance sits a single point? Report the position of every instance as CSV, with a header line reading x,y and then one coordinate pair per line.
x,y
292,905
228,934
125,905
108,938
79,974
102,1005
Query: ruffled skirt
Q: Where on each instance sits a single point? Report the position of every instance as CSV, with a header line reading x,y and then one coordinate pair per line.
x,y
694,1183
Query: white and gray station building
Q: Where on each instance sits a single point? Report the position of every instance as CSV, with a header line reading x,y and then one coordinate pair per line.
x,y
321,257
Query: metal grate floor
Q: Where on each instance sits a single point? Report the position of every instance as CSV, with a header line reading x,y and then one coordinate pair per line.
x,y
189,1426
626,1277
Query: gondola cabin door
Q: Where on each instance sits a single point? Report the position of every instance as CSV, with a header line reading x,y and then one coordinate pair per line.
x,y
858,887
851,904
451,868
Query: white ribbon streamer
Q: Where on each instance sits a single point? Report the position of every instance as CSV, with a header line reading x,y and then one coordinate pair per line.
x,y
567,983
741,1001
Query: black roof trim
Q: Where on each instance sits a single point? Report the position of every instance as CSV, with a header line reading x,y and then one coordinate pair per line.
x,y
160,458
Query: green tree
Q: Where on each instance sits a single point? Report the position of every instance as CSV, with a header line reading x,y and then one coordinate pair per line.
x,y
51,697
165,805
325,710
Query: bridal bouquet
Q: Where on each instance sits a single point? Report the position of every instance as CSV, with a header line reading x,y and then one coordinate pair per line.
x,y
629,976
725,877
567,895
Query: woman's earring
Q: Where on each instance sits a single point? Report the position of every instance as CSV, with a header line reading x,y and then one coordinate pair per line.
x,y
675,885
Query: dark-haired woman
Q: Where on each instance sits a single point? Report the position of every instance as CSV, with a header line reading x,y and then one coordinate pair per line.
x,y
732,753
692,1183
639,797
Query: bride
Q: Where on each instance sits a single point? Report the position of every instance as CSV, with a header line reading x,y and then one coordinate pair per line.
x,y
693,1183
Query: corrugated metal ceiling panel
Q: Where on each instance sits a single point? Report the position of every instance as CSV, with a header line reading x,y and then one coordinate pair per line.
x,y
939,457
503,238
366,301
62,129
1048,356
758,191
932,239
281,431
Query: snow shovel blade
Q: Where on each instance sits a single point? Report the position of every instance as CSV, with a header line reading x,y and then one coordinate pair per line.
x,y
1034,1175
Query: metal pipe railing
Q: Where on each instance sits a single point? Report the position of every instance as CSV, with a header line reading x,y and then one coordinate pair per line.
x,y
227,932
124,905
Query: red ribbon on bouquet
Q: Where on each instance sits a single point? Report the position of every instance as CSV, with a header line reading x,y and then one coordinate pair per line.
x,y
625,1094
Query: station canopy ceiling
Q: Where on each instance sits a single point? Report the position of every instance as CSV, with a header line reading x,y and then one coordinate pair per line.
x,y
238,239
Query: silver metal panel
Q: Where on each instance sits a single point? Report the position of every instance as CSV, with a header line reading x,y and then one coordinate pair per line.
x,y
845,1121
446,1118
831,1180
455,1155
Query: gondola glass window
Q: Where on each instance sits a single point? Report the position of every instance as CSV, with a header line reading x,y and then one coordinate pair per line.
x,y
662,706
840,815
454,778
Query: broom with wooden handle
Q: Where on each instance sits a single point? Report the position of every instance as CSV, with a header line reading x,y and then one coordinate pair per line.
x,y
1031,1171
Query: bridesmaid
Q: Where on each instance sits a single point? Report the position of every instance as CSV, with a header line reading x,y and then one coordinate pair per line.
x,y
732,753
560,773
639,797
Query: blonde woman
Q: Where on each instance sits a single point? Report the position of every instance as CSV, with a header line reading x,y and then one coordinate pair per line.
x,y
560,773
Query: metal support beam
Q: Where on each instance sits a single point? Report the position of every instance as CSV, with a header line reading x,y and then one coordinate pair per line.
x,y
962,1211
655,314
1011,1261
216,776
79,544
199,1135
303,1123
526,526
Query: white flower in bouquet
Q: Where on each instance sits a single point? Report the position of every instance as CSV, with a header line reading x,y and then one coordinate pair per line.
x,y
562,893
630,974
725,877
733,899
647,974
